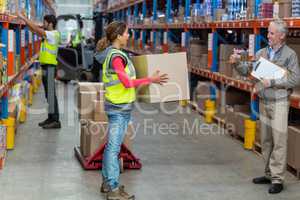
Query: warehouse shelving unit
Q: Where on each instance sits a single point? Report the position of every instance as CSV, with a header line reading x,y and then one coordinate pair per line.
x,y
19,77
141,31
21,48
145,38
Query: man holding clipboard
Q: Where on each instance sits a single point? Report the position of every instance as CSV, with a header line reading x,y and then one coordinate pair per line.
x,y
276,72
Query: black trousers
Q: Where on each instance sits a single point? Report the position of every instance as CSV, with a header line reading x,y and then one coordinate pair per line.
x,y
49,73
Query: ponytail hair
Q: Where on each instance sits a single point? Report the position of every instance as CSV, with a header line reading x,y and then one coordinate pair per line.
x,y
102,44
112,31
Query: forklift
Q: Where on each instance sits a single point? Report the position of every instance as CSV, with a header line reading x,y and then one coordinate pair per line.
x,y
79,63
73,62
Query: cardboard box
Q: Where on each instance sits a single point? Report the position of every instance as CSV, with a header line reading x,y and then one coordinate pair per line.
x,y
175,65
203,61
233,97
219,13
235,116
245,108
240,122
230,97
85,104
225,68
199,61
296,48
195,61
258,134
293,158
94,135
87,93
197,49
226,50
99,112
230,119
285,8
90,87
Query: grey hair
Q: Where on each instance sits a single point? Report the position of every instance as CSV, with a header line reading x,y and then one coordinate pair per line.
x,y
281,26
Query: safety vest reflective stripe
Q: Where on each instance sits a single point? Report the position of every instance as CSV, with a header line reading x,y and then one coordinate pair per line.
x,y
54,52
112,83
110,70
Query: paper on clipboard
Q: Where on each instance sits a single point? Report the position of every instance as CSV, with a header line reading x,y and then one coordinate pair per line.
x,y
264,69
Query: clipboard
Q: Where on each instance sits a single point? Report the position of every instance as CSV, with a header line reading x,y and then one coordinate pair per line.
x,y
265,69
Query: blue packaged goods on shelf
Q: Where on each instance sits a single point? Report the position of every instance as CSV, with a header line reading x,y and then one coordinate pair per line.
x,y
296,8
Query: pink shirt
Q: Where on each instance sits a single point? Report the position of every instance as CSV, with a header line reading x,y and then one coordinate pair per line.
x,y
118,65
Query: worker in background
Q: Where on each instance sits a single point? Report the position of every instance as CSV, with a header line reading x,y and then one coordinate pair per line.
x,y
48,61
274,104
76,36
76,39
120,81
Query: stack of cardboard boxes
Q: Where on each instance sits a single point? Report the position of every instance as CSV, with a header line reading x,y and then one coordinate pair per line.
x,y
93,120
224,55
197,53
233,104
285,8
294,147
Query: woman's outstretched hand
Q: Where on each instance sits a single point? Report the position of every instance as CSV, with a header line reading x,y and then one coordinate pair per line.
x,y
159,78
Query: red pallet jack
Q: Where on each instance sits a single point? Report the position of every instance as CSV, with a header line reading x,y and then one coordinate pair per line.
x,y
94,162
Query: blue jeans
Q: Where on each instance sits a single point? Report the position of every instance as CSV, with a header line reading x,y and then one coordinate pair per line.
x,y
117,128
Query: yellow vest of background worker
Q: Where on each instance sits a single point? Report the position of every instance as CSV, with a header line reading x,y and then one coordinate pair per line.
x,y
115,92
77,39
48,52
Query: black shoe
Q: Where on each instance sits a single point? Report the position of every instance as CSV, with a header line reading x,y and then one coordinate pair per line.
x,y
43,123
52,125
275,188
261,180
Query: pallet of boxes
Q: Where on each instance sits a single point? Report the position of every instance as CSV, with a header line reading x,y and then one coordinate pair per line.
x,y
93,120
198,53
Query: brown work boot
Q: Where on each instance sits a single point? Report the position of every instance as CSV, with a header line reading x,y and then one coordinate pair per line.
x,y
104,188
125,194
119,194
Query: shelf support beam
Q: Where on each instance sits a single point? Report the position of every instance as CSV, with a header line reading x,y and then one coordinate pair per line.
x,y
154,10
168,12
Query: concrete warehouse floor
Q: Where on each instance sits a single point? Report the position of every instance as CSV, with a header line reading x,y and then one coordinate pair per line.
x,y
178,163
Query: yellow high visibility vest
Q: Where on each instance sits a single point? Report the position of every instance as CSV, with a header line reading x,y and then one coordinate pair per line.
x,y
48,52
115,92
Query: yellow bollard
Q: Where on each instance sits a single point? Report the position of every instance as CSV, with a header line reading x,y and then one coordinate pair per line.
x,y
30,95
10,134
250,130
39,77
34,83
210,111
183,103
23,111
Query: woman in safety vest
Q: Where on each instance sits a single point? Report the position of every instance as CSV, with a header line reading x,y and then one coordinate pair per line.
x,y
120,81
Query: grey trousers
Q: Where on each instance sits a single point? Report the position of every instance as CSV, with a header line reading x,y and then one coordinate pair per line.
x,y
49,73
274,136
